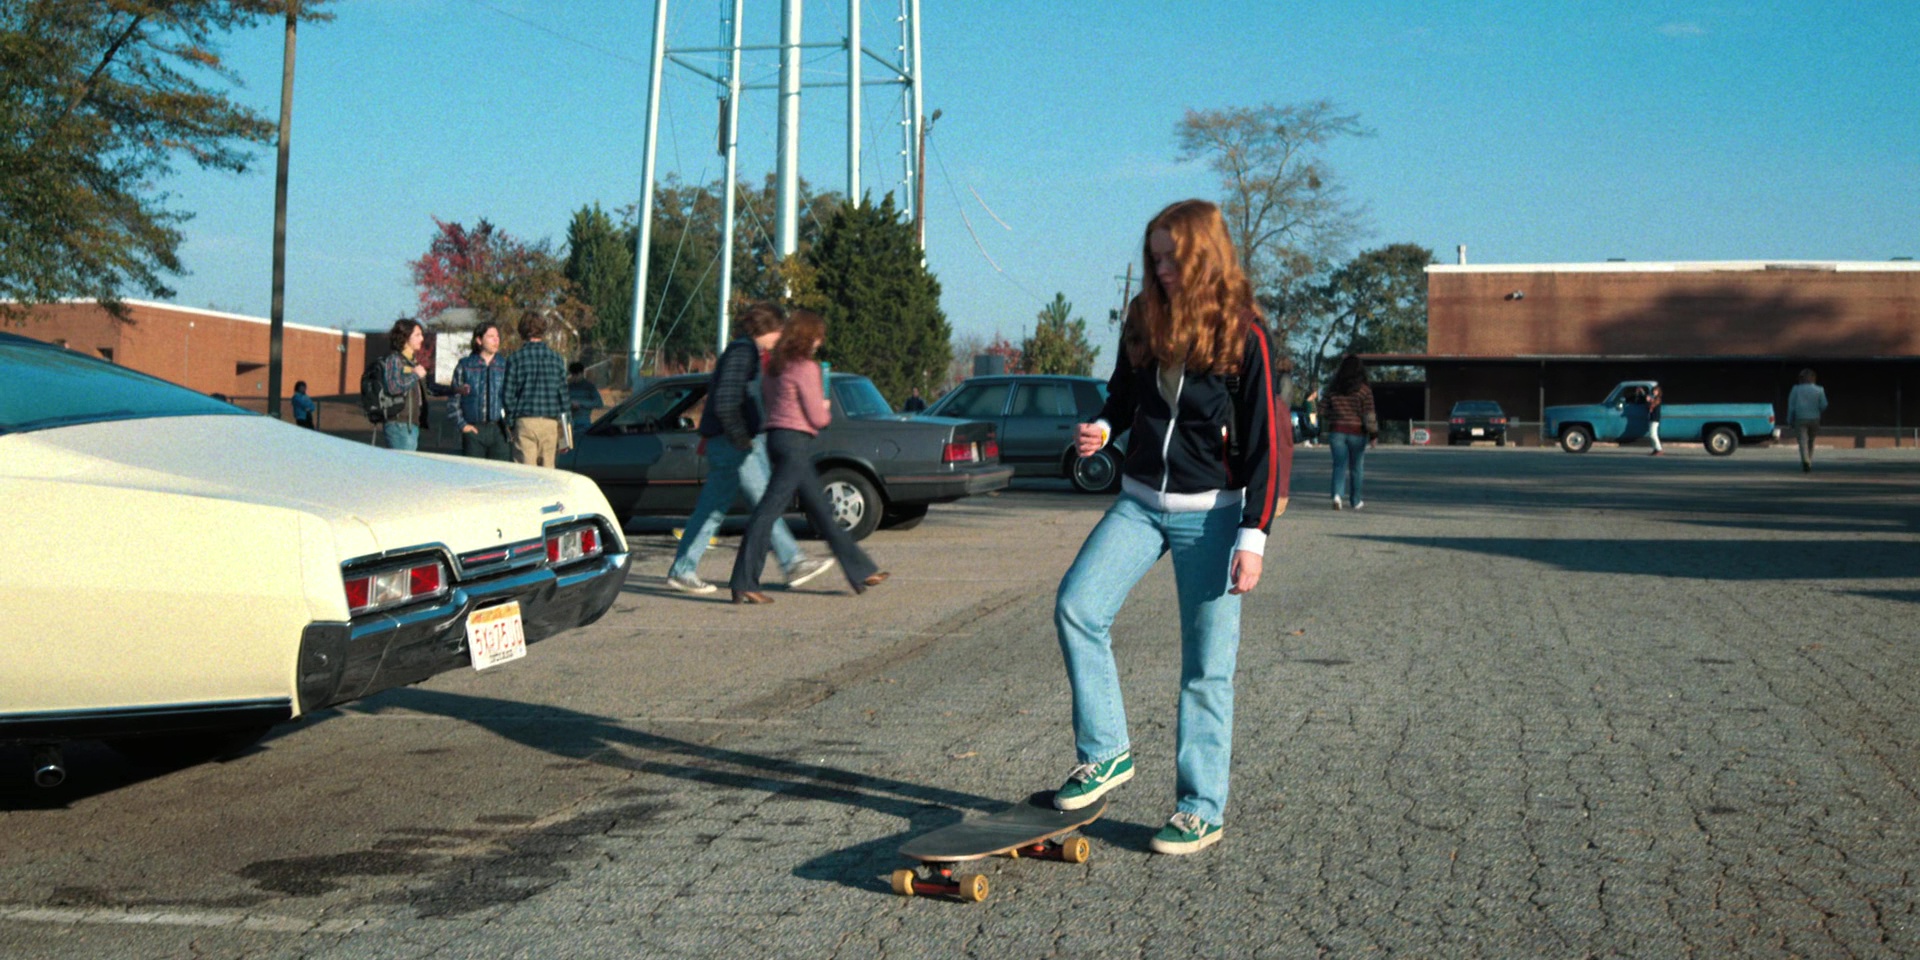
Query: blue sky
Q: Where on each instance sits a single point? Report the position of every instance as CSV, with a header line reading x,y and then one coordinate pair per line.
x,y
1567,131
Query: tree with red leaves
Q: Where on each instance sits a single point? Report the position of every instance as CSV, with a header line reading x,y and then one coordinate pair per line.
x,y
499,277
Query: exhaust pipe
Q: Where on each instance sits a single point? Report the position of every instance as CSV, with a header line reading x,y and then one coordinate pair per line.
x,y
49,768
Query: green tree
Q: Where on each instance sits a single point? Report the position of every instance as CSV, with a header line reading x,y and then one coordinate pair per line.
x,y
881,305
1059,342
1373,303
1285,208
98,100
600,266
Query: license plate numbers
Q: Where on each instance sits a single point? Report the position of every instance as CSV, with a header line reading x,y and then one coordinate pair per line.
x,y
495,636
1477,431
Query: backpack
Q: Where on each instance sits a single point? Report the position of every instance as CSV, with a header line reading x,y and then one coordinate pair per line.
x,y
379,405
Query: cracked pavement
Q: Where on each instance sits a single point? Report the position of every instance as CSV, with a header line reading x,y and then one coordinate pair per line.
x,y
1525,704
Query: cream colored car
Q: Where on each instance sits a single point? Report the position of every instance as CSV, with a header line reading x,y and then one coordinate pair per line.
x,y
180,574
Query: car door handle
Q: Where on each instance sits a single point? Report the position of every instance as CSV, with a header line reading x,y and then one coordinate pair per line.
x,y
679,446
1064,426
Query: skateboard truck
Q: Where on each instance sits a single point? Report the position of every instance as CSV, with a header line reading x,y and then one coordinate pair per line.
x,y
938,879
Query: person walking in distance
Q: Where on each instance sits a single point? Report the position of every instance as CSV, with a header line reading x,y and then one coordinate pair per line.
x,y
534,395
1205,474
1653,419
1805,404
481,378
797,410
1352,426
731,426
583,398
306,413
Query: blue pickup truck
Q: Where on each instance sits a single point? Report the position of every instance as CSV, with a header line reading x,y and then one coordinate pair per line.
x,y
1622,418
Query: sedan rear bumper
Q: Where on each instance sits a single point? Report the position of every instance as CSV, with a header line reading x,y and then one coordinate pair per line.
x,y
947,487
342,662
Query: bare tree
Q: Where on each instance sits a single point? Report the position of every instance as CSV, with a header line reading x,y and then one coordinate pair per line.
x,y
1288,213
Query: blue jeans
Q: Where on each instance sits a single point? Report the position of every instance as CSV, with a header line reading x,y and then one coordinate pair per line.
x,y
793,475
1349,449
1128,541
401,436
729,471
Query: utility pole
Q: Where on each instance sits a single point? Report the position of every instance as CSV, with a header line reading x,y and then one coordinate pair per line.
x,y
277,323
787,220
730,146
636,335
920,183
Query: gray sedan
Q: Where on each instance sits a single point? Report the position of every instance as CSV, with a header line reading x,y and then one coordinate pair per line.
x,y
880,469
1037,414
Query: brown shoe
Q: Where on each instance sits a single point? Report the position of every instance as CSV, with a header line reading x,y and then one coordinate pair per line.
x,y
877,579
750,596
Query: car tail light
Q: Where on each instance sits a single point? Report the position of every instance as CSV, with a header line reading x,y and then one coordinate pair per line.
x,y
992,451
395,586
573,543
1457,421
960,452
1499,420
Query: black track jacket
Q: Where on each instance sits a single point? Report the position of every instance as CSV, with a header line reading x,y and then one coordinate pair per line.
x,y
1198,455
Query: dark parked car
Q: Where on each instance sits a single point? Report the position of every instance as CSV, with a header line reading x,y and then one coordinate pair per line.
x,y
881,469
1477,420
1036,415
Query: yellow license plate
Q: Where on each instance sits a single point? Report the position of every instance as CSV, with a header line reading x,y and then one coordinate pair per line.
x,y
495,635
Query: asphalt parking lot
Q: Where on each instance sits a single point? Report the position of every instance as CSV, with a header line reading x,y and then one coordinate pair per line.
x,y
1525,704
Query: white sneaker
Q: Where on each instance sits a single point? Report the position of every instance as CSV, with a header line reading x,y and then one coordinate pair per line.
x,y
691,584
1357,504
806,570
1339,504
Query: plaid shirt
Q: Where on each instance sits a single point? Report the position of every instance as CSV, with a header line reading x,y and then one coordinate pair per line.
x,y
486,383
536,383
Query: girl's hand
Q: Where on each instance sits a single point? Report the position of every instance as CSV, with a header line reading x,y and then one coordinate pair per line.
x,y
1245,571
1089,439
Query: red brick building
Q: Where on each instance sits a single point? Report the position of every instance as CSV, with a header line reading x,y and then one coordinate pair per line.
x,y
204,350
1530,336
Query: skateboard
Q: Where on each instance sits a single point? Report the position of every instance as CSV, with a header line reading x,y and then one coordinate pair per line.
x,y
1030,829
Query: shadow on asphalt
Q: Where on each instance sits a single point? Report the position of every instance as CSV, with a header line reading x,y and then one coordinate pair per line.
x,y
576,736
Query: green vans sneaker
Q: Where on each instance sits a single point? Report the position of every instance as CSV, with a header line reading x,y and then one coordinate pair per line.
x,y
1091,781
1185,833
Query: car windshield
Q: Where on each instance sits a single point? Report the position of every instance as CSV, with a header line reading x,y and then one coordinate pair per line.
x,y
859,398
49,387
1476,408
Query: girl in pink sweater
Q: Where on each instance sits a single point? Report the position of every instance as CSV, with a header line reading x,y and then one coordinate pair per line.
x,y
797,411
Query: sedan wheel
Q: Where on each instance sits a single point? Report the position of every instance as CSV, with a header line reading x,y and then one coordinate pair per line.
x,y
855,503
1099,473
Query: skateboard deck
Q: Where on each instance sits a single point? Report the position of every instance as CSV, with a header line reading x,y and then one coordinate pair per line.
x,y
1033,829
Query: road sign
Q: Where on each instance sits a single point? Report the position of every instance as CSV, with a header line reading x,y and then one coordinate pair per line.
x,y
1421,436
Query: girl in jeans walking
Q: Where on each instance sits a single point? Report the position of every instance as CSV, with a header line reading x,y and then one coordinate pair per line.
x,y
1205,474
1351,427
796,412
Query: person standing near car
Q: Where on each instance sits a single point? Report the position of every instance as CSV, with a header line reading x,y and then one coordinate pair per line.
x,y
1653,419
1805,404
1352,426
1205,474
730,434
401,375
534,395
478,415
795,393
583,398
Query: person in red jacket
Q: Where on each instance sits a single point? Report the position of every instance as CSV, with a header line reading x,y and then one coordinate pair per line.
x,y
1206,472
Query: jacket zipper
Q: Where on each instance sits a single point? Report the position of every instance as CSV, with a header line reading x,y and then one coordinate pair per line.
x,y
1173,420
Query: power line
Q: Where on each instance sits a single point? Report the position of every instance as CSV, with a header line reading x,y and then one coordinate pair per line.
x,y
549,31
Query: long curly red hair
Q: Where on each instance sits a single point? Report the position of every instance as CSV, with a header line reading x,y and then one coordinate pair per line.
x,y
1205,324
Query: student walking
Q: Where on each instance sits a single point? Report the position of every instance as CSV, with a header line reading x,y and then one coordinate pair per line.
x,y
1352,426
1805,404
797,411
731,423
402,375
534,395
1205,474
1653,419
306,413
